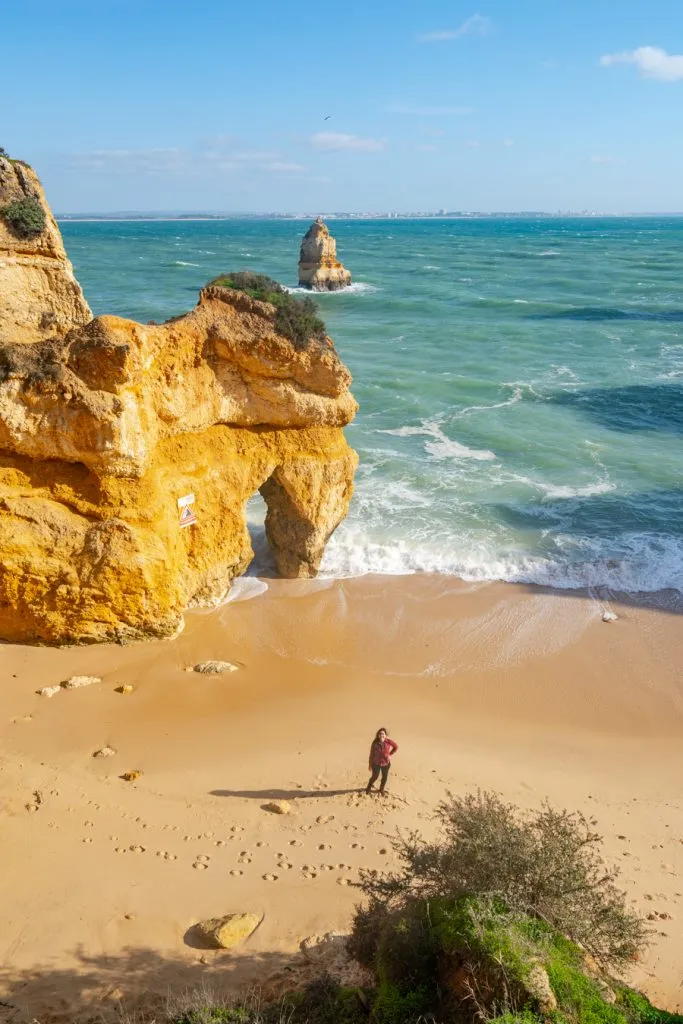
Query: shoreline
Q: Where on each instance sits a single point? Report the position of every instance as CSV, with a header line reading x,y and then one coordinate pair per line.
x,y
498,686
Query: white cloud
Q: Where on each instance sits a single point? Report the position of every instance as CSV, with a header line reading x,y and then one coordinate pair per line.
x,y
651,61
335,141
475,25
415,109
603,160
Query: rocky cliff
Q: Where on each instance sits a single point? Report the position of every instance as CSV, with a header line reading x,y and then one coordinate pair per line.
x,y
128,454
39,297
319,268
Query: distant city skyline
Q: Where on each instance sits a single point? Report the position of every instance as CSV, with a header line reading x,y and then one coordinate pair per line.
x,y
389,107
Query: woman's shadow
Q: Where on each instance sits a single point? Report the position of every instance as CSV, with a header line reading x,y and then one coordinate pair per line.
x,y
283,794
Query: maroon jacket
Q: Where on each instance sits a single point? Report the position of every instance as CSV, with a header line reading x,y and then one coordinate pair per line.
x,y
381,752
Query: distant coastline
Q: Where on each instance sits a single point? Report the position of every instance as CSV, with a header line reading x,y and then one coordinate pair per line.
x,y
444,215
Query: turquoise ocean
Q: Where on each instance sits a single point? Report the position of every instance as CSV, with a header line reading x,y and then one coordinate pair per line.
x,y
520,382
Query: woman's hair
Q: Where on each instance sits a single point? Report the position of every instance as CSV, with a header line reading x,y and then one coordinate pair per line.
x,y
382,729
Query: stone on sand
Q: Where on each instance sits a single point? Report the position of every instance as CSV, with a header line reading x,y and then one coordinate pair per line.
x,y
125,688
77,681
226,932
48,691
104,752
278,807
215,667
131,776
608,616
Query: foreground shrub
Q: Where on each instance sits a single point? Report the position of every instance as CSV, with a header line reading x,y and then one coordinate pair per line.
x,y
545,864
25,217
295,318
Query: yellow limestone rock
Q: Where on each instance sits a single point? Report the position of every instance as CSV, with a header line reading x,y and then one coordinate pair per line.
x,y
128,453
39,295
226,932
319,268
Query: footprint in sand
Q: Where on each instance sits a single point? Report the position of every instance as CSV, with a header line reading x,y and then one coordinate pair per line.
x,y
86,839
270,878
284,865
344,881
166,855
220,842
308,871
324,819
236,871
357,846
244,860
324,846
137,849
237,828
119,849
35,802
199,865
295,842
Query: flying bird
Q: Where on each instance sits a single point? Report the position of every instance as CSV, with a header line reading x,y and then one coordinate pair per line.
x,y
327,118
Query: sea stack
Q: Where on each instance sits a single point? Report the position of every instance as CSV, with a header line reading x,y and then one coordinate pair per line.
x,y
128,451
319,268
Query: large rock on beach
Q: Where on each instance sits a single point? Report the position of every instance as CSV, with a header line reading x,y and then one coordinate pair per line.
x,y
226,932
128,453
319,268
39,297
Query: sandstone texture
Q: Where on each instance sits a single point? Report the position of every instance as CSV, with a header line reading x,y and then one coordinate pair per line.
x,y
39,297
319,268
128,453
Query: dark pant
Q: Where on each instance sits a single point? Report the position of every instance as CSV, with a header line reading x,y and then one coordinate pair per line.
x,y
376,769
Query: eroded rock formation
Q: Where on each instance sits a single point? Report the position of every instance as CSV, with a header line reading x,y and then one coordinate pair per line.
x,y
104,431
39,297
319,268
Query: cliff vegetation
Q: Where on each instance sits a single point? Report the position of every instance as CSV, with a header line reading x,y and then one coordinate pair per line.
x,y
295,318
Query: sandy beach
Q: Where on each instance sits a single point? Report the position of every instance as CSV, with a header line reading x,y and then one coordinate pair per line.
x,y
496,686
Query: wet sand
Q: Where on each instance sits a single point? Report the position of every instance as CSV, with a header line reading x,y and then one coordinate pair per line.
x,y
496,686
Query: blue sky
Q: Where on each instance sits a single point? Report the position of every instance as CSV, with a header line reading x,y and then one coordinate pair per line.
x,y
501,105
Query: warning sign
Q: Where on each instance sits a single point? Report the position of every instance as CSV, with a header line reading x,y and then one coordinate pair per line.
x,y
187,516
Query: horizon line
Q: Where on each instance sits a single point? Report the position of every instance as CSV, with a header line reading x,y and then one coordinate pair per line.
x,y
353,214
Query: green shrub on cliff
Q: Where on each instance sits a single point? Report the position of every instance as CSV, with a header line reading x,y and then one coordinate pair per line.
x,y
295,318
25,217
546,864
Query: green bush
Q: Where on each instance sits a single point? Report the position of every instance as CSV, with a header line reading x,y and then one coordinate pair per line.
x,y
25,217
544,864
295,318
394,1005
640,1010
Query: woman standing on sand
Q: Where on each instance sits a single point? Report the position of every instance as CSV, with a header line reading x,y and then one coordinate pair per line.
x,y
381,750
